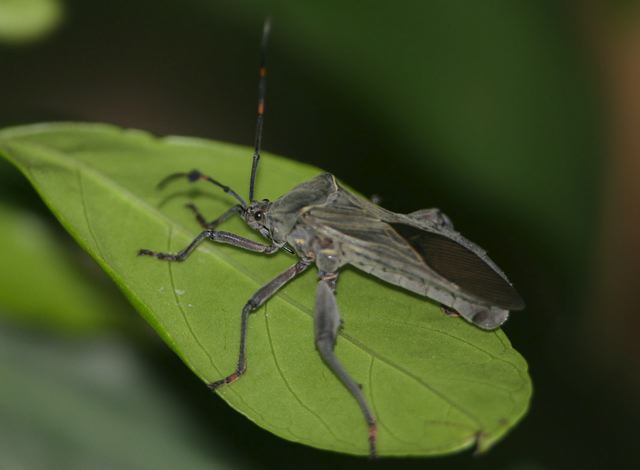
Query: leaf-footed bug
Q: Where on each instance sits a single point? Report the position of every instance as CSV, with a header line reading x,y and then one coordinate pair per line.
x,y
322,223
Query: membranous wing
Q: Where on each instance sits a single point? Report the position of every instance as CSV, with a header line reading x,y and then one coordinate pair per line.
x,y
426,259
462,266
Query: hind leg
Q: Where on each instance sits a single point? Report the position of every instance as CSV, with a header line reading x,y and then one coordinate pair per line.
x,y
326,325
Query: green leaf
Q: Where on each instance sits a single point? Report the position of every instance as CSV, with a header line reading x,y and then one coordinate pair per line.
x,y
437,384
72,295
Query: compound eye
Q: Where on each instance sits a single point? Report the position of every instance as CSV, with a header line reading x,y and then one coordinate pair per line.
x,y
258,215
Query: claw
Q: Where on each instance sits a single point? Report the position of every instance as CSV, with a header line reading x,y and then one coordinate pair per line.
x,y
227,380
214,385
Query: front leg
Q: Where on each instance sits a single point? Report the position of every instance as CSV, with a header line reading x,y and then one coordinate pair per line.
x,y
326,326
220,237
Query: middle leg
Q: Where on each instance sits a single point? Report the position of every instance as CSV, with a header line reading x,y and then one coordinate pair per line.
x,y
260,297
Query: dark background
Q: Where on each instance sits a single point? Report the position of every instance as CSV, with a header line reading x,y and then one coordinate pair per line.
x,y
518,119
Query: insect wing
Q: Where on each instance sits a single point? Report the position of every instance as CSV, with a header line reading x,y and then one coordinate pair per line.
x,y
407,253
461,265
371,245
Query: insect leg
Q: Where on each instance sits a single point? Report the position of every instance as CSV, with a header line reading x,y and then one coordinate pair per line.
x,y
449,311
220,237
214,223
326,325
259,298
196,175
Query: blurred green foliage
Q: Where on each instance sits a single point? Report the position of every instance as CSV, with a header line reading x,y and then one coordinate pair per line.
x,y
23,21
93,403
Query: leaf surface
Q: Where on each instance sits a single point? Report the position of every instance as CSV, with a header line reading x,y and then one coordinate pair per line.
x,y
73,296
437,384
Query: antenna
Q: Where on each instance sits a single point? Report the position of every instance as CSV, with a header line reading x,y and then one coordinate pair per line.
x,y
262,90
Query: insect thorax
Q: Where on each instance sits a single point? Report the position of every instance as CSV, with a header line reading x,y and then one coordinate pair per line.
x,y
285,212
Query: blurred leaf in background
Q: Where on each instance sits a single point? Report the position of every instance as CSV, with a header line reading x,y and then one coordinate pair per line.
x,y
94,404
23,21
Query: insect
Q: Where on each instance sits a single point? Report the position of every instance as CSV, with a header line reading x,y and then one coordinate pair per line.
x,y
324,224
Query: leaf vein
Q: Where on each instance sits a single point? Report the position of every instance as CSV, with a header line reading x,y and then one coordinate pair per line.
x,y
375,408
85,213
